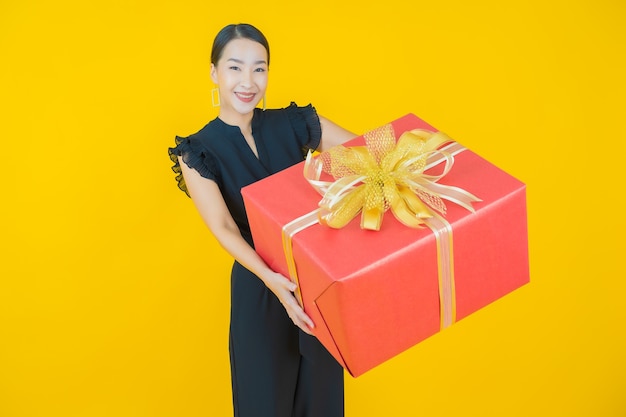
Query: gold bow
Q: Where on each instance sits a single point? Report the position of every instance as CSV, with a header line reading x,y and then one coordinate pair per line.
x,y
384,175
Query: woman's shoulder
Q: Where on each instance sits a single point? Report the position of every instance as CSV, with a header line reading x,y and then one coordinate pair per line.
x,y
212,137
293,115
209,130
302,122
199,144
291,110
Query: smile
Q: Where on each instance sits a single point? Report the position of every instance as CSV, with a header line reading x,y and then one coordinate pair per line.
x,y
245,97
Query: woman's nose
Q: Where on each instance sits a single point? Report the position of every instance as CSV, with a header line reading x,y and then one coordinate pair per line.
x,y
246,79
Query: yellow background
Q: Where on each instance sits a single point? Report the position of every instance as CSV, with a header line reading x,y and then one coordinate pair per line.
x,y
114,297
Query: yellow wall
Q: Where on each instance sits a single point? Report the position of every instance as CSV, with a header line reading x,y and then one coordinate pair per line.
x,y
114,297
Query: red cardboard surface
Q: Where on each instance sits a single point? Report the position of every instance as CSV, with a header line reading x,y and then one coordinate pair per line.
x,y
375,294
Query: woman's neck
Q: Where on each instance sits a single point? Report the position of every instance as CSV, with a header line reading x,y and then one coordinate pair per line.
x,y
243,121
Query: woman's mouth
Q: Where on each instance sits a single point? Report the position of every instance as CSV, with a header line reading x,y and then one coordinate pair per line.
x,y
245,97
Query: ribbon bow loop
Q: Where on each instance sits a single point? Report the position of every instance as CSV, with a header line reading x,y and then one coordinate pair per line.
x,y
382,175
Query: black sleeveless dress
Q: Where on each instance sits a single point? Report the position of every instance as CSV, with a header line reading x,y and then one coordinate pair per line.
x,y
277,370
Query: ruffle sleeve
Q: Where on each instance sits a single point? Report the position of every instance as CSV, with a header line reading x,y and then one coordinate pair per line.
x,y
306,125
195,156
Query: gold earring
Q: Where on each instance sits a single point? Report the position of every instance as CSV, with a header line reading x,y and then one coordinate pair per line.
x,y
215,93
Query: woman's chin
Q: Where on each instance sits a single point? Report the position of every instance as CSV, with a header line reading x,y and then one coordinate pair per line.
x,y
245,108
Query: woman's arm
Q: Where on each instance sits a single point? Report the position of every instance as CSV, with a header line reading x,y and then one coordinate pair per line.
x,y
208,200
333,134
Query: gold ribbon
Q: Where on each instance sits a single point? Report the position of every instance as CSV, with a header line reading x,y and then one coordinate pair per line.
x,y
442,230
387,175
288,232
384,175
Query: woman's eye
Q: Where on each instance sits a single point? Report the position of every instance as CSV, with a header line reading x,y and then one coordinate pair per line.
x,y
234,68
259,70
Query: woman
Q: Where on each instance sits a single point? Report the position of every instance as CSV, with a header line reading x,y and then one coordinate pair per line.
x,y
278,368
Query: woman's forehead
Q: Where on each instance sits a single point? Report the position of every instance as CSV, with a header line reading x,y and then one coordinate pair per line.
x,y
245,50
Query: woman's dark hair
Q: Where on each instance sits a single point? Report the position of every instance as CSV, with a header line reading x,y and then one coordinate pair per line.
x,y
238,31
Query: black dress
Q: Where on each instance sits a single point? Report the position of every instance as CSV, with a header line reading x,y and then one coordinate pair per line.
x,y
277,370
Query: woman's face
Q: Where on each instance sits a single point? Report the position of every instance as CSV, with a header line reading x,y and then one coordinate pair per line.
x,y
241,76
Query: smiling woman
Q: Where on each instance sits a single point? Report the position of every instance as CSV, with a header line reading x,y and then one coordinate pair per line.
x,y
241,76
239,69
278,368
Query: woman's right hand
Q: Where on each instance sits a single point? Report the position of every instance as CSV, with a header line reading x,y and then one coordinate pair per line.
x,y
284,289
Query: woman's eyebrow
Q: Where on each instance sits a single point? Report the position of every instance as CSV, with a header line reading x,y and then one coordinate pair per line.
x,y
239,61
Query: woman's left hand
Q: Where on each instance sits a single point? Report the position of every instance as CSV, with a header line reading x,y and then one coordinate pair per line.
x,y
284,289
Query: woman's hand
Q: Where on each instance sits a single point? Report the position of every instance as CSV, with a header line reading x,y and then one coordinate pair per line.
x,y
284,289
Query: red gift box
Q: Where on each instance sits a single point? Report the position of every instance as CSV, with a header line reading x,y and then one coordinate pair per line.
x,y
374,294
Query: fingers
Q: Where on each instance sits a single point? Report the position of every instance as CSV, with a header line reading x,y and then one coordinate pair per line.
x,y
291,286
296,312
303,326
303,321
284,290
297,315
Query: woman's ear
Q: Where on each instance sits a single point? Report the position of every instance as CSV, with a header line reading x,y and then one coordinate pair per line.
x,y
213,73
